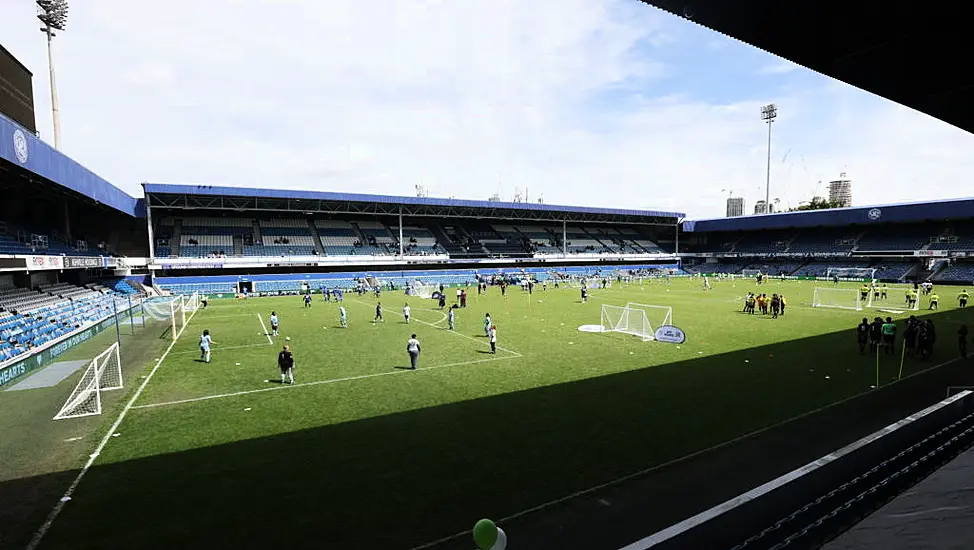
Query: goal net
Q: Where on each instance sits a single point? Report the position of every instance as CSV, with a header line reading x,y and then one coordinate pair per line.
x,y
102,374
635,319
422,290
750,272
191,302
851,272
841,298
171,309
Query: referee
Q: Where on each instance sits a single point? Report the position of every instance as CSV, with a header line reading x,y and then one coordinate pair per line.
x,y
285,361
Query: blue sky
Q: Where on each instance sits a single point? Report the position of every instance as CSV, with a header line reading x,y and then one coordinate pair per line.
x,y
608,103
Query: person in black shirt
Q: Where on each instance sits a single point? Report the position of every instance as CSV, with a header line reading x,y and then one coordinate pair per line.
x,y
962,340
910,335
875,334
862,334
285,361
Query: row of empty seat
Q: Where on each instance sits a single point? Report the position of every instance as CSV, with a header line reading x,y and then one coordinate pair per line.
x,y
887,238
196,237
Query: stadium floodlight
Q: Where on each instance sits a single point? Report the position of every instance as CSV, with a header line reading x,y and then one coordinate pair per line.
x,y
768,113
53,15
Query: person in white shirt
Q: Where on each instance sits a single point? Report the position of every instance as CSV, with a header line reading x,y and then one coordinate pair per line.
x,y
706,283
493,338
413,348
343,316
450,319
274,323
487,324
459,293
405,312
205,343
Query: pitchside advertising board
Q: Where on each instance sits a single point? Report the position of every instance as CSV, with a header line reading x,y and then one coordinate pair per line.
x,y
47,263
15,371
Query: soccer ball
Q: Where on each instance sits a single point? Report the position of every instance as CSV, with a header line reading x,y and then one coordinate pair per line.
x,y
287,338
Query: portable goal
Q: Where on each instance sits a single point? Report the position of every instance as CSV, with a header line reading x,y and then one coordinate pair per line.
x,y
750,272
640,320
840,298
171,309
422,290
104,373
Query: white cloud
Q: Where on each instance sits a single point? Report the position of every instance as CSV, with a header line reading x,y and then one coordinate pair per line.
x,y
579,100
781,66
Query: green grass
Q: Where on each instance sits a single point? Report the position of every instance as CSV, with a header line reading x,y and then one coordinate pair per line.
x,y
363,454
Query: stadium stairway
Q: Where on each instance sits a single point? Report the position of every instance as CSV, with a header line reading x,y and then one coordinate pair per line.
x,y
316,238
177,233
238,245
258,236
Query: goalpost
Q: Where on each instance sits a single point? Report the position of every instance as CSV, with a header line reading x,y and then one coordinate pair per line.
x,y
868,273
750,272
171,309
841,298
104,373
422,290
634,319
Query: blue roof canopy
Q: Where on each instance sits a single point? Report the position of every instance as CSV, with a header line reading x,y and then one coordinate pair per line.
x,y
174,189
21,147
834,217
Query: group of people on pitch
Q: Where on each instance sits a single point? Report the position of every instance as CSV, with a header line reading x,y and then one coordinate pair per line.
x,y
919,337
760,302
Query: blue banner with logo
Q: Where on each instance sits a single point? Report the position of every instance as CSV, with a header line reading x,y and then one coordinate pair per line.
x,y
20,147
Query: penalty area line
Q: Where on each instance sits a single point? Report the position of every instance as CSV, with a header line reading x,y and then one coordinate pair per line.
x,y
322,382
46,526
263,326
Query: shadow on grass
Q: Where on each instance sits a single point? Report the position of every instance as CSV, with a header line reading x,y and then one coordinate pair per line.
x,y
397,481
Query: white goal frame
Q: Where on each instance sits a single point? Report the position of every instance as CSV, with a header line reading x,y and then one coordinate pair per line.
x,y
422,290
627,320
172,310
751,272
667,312
891,300
821,291
103,373
867,273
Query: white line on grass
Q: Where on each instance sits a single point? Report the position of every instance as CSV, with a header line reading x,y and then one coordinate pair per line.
x,y
263,326
221,348
684,458
460,334
227,316
321,382
104,441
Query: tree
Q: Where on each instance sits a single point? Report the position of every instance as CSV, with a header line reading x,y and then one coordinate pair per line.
x,y
818,203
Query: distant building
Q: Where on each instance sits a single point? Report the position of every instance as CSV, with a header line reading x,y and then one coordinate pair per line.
x,y
735,206
761,207
840,191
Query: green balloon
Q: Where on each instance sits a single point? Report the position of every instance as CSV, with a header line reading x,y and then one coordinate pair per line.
x,y
485,534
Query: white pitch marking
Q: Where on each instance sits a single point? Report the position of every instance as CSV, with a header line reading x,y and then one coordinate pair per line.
x,y
263,326
460,334
684,458
320,382
91,459
222,348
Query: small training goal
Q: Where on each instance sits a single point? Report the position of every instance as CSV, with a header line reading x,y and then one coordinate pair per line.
x,y
170,309
640,320
840,298
750,272
421,289
102,374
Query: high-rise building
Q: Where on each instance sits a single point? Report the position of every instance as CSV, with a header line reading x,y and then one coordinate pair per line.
x,y
840,191
735,206
761,207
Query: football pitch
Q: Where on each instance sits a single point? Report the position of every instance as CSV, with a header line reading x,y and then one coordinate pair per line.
x,y
362,453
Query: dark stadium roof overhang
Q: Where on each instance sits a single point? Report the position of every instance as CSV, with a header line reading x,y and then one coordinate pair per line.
x,y
241,199
948,209
907,52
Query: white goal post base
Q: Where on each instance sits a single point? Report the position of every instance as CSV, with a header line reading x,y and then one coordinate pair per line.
x,y
104,373
635,319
